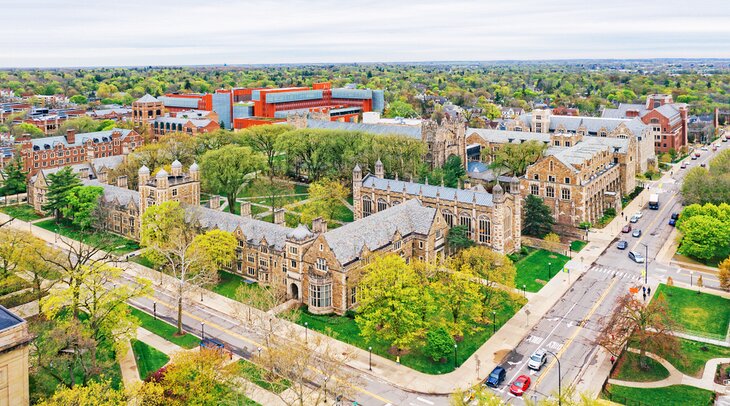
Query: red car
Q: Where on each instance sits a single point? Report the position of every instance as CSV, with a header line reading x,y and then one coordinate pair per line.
x,y
626,229
520,385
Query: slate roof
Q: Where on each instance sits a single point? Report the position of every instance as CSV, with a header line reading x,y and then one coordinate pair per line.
x,y
377,230
503,136
122,195
80,138
411,131
76,168
8,319
198,122
254,230
104,112
586,149
592,124
414,190
148,98
109,162
620,112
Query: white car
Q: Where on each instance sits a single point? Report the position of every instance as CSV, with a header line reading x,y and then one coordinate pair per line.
x,y
537,360
638,214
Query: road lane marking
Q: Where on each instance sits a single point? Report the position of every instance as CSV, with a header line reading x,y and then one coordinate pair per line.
x,y
426,401
575,334
535,340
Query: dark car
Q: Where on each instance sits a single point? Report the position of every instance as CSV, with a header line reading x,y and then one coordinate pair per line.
x,y
496,377
626,229
672,222
636,233
622,245
703,165
520,385
675,216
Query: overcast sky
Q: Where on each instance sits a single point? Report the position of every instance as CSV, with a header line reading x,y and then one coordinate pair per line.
x,y
48,33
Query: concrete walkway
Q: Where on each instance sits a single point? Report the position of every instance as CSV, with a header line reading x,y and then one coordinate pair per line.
x,y
128,365
153,340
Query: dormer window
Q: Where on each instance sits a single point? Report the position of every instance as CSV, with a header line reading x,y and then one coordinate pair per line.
x,y
322,264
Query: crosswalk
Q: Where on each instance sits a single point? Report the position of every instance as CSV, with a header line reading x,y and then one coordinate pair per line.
x,y
609,272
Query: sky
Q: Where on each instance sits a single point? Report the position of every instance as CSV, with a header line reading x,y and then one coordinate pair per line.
x,y
60,33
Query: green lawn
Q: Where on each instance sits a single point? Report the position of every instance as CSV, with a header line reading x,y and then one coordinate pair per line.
x,y
263,378
341,213
23,212
628,369
149,359
577,245
228,284
671,395
693,356
254,209
532,270
164,330
704,314
12,283
346,329
19,299
117,245
142,260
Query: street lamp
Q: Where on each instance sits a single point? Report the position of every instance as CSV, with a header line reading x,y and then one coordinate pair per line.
x,y
560,395
154,310
690,278
524,287
494,322
259,349
202,328
370,358
550,265
325,389
306,332
455,356
646,263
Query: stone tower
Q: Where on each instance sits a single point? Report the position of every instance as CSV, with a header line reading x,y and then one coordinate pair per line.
x,y
541,120
356,190
499,200
514,190
175,186
145,109
444,140
379,170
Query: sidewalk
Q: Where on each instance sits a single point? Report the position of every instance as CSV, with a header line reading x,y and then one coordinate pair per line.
x,y
128,366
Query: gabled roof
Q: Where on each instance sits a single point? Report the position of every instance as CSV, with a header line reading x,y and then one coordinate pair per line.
x,y
254,230
503,136
80,139
111,193
414,190
148,98
377,230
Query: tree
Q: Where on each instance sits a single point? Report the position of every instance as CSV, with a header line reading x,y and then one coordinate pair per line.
x,y
94,394
23,253
705,237
81,125
81,205
453,171
391,302
263,139
538,220
225,170
400,108
649,327
13,246
324,198
724,274
27,128
458,238
515,158
15,178
78,99
456,292
60,184
493,269
439,344
552,237
192,260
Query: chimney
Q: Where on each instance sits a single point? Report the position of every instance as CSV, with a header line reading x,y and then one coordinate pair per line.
x,y
122,182
246,209
319,225
467,184
84,173
279,216
71,136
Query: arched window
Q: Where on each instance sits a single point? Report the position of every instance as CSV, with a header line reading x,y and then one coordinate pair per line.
x,y
367,206
465,220
382,205
449,217
485,230
395,202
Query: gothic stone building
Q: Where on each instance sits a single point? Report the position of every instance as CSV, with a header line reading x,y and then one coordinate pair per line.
x,y
492,219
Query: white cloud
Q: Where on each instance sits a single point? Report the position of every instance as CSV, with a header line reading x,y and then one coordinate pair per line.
x,y
144,32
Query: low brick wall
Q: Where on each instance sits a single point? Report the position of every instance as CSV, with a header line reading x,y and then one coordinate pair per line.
x,y
558,247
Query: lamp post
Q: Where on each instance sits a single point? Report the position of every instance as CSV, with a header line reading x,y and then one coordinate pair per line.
x,y
560,395
550,271
370,358
259,350
494,322
325,389
202,329
690,278
646,263
306,332
456,355
524,288
154,310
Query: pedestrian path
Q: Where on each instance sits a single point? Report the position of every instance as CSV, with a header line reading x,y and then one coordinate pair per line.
x,y
128,366
153,340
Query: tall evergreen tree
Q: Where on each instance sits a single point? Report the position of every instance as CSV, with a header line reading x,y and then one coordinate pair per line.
x,y
60,184
453,171
15,178
538,219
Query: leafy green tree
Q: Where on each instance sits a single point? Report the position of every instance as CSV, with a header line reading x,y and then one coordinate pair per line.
x,y
83,124
705,237
538,220
324,198
264,139
27,128
723,274
494,270
391,302
225,170
15,178
81,204
400,108
458,238
78,99
456,292
515,158
439,344
60,184
453,171
93,394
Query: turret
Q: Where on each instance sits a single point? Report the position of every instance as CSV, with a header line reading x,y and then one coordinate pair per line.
x,y
514,186
161,179
498,193
176,168
144,175
194,172
379,170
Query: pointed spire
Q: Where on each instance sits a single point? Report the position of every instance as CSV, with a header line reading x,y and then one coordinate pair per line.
x,y
442,181
426,180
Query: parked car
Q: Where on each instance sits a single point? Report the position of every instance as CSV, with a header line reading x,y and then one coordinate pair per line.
x,y
496,377
634,219
537,360
626,229
724,139
672,222
675,216
694,157
622,245
636,257
639,214
520,385
636,233
703,165
704,148
684,165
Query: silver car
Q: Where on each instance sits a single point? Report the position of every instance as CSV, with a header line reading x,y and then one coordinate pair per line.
x,y
537,360
636,257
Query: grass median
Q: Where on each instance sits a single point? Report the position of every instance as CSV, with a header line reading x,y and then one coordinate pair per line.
x,y
164,329
149,359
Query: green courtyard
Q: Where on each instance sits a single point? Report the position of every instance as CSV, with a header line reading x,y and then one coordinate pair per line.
x,y
537,268
702,314
164,329
23,212
116,244
675,395
149,359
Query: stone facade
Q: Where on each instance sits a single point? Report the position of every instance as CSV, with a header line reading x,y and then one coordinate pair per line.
x,y
493,219
175,186
146,108
14,353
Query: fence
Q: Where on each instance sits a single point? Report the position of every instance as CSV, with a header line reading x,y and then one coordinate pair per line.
x,y
12,200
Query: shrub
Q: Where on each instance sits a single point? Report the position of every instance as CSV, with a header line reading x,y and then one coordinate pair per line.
x,y
585,225
439,344
552,237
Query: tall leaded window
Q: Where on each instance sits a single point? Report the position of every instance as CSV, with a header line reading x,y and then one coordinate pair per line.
x,y
534,190
382,205
549,191
465,220
367,206
565,194
485,230
321,264
449,217
320,295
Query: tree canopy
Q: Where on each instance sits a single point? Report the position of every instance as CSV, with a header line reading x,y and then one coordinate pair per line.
x,y
225,170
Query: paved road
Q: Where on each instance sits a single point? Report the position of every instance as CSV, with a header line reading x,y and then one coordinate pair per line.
x,y
571,326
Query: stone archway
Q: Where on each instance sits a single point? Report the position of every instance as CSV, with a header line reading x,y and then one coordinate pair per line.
x,y
294,288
